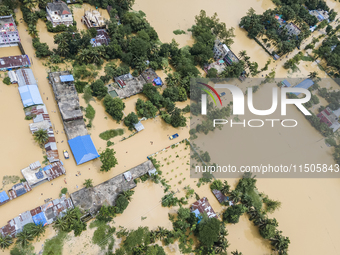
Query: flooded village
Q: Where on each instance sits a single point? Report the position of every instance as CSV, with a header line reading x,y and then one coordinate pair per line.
x,y
53,150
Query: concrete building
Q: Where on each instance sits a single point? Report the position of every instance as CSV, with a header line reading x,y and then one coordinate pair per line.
x,y
58,13
320,14
292,29
107,192
127,86
9,35
93,19
14,62
221,51
68,102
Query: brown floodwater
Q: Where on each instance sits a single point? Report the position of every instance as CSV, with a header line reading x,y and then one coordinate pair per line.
x,y
308,212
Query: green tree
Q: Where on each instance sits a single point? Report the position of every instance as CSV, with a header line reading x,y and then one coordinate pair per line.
x,y
208,232
114,107
34,230
145,109
233,213
88,183
131,119
5,241
41,137
98,89
24,238
177,119
212,73
32,30
121,204
108,160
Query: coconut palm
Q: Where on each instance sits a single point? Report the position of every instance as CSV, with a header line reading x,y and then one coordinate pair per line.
x,y
225,189
235,195
34,230
24,238
41,136
128,194
313,75
242,54
60,224
88,183
5,241
236,253
29,3
32,30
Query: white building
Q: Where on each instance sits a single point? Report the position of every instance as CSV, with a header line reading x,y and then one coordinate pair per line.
x,y
58,13
9,35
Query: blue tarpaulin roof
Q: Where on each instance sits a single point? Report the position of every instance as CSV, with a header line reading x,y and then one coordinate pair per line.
x,y
3,197
83,149
66,78
158,81
304,84
30,95
40,219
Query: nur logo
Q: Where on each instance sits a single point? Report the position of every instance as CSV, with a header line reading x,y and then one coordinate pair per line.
x,y
204,97
239,101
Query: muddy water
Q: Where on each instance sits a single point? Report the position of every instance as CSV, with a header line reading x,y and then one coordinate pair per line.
x,y
10,51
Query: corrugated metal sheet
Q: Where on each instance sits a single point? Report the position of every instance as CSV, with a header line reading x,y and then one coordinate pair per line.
x,y
30,95
3,197
25,77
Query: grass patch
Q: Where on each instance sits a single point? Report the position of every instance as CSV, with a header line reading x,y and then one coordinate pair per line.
x,y
307,58
179,32
108,134
55,245
103,234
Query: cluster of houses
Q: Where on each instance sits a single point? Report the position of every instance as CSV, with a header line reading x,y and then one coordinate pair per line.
x,y
34,109
67,99
44,215
327,116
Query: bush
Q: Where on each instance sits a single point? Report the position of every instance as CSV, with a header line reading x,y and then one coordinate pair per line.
x,y
107,135
63,191
233,213
121,204
7,81
80,85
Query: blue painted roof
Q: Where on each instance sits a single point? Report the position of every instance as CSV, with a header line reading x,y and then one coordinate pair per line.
x,y
3,197
304,84
66,78
286,83
83,149
20,192
40,219
30,95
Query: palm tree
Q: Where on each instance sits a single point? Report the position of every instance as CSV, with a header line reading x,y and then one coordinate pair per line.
x,y
41,136
235,195
34,230
5,241
128,194
88,183
32,30
24,238
242,54
29,4
313,75
236,253
60,224
225,189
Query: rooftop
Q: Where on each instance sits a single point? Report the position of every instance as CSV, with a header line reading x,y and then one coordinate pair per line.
x,y
83,149
7,24
219,196
14,62
25,77
304,84
18,190
129,85
59,6
93,19
107,192
203,206
149,75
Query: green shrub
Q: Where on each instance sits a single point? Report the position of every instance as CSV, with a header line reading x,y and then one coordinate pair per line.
x,y
106,135
7,81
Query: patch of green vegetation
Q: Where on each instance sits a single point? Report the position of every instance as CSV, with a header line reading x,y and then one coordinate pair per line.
x,y
103,234
307,58
7,81
55,245
179,32
106,135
